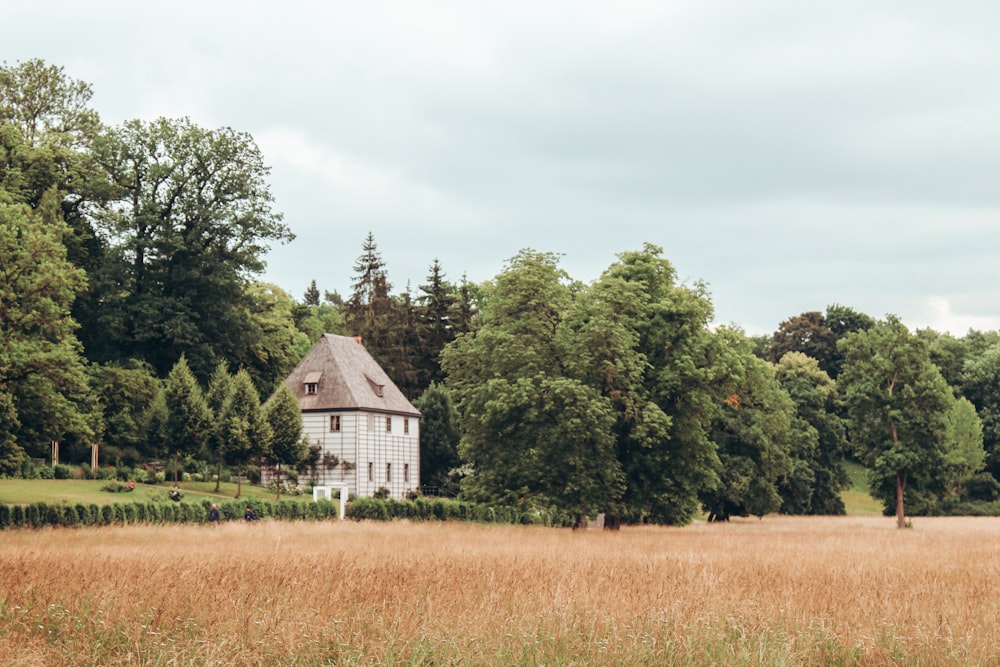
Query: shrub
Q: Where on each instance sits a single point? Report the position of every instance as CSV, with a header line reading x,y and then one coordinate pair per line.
x,y
118,487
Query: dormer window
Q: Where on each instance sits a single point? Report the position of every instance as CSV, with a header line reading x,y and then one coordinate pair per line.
x,y
376,387
311,382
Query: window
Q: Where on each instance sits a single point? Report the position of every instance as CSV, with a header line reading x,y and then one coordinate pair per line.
x,y
371,422
311,382
406,426
371,471
406,472
388,424
335,423
388,472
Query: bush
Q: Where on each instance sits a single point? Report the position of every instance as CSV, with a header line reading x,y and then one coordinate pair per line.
x,y
119,487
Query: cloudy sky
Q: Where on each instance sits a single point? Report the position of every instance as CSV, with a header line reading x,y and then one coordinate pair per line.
x,y
791,155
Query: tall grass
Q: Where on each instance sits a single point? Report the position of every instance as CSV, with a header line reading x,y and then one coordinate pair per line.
x,y
782,591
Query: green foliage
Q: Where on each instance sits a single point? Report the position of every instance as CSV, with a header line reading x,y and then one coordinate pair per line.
x,y
753,434
898,404
188,418
661,369
439,438
286,446
244,428
189,219
981,386
42,381
819,439
964,455
531,430
440,509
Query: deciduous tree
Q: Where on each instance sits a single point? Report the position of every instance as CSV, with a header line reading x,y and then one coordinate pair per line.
x,y
189,221
285,424
245,429
43,384
898,404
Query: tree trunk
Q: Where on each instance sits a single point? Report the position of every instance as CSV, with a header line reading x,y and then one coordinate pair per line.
x,y
239,481
278,485
900,485
612,521
218,475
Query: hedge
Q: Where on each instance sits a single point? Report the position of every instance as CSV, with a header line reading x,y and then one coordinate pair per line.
x,y
440,509
38,515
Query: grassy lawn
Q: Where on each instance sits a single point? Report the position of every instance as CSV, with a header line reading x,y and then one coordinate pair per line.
x,y
857,500
72,491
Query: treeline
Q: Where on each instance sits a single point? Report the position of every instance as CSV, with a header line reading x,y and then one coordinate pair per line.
x,y
130,315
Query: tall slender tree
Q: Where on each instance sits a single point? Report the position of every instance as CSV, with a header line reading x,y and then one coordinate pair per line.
x,y
189,421
285,424
245,428
220,390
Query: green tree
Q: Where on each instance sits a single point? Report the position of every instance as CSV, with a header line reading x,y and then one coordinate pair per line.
x,y
898,404
245,428
43,383
270,335
753,435
188,224
964,454
311,297
368,305
843,320
285,424
948,354
981,385
125,393
531,431
46,130
819,439
661,368
220,389
188,424
439,438
436,305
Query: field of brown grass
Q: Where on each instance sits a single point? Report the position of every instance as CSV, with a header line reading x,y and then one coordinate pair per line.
x,y
782,591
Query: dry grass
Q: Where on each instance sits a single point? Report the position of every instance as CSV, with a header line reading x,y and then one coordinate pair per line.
x,y
783,591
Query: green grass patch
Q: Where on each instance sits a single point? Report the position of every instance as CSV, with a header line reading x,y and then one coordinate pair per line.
x,y
86,491
857,500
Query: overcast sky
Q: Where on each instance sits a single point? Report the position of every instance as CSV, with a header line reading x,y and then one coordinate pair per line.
x,y
791,155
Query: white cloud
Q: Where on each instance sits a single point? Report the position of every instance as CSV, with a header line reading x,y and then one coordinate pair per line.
x,y
288,147
938,313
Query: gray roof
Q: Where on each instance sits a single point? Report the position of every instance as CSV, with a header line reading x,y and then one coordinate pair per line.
x,y
348,378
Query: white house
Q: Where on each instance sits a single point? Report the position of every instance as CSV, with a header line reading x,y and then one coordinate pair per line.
x,y
367,431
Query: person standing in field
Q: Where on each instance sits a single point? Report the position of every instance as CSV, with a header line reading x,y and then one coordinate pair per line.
x,y
213,515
